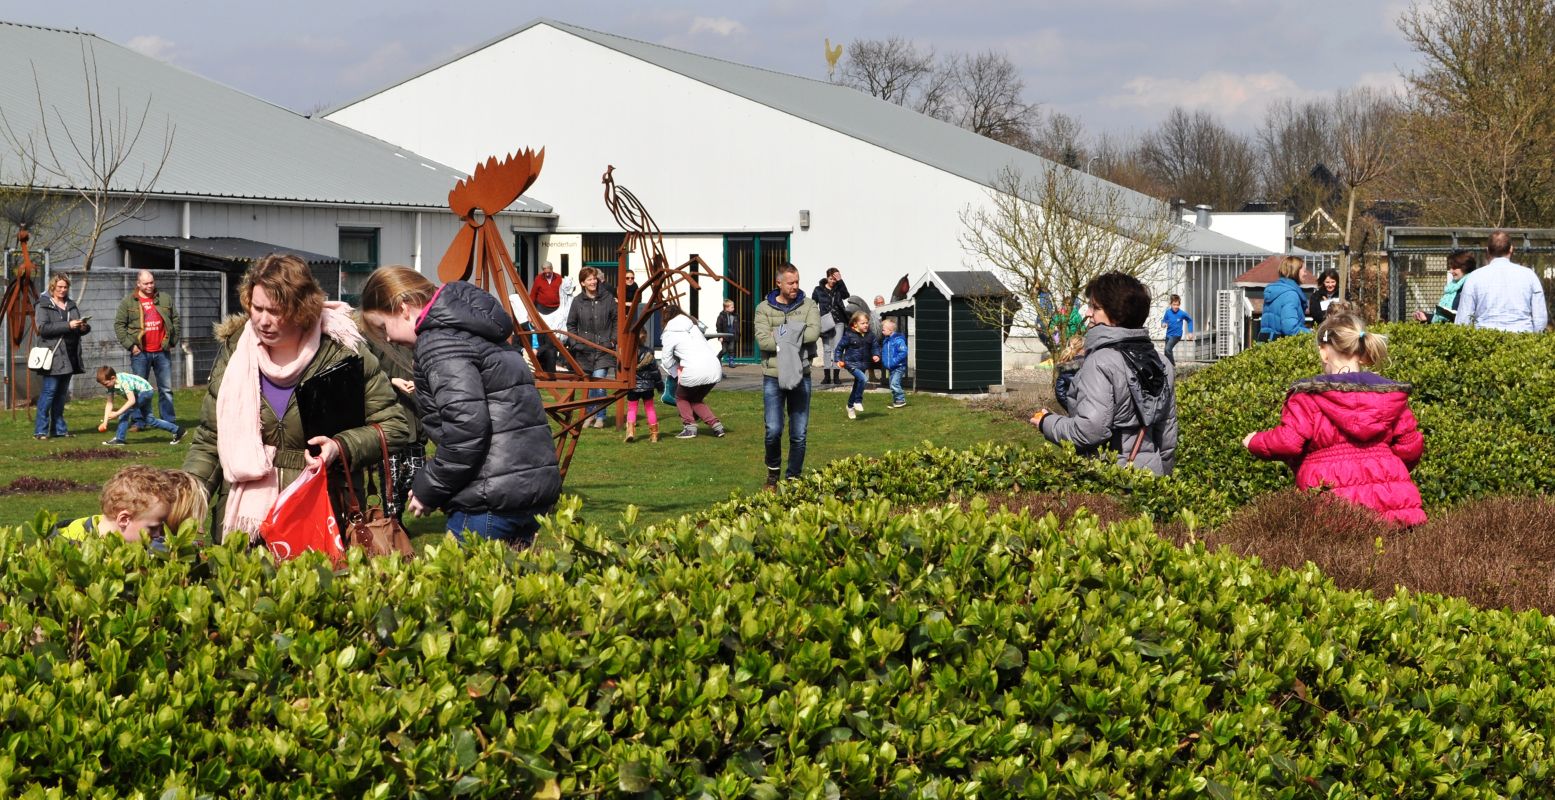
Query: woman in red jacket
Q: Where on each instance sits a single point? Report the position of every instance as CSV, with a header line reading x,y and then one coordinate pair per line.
x,y
1349,429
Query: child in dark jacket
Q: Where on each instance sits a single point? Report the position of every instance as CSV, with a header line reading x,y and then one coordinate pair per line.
x,y
1350,429
726,324
649,383
891,355
855,352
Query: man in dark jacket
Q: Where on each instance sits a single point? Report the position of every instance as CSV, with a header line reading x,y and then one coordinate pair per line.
x,y
146,324
831,298
495,463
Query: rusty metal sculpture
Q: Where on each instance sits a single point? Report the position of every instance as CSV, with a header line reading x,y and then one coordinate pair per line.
x,y
478,254
17,309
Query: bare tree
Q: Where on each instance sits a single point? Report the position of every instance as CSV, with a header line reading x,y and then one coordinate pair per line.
x,y
1047,236
1060,138
1480,125
1200,160
989,101
891,69
1293,141
96,161
1365,128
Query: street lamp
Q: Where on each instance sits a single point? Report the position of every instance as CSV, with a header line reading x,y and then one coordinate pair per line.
x,y
1089,162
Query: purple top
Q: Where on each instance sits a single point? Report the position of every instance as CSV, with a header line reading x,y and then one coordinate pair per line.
x,y
276,395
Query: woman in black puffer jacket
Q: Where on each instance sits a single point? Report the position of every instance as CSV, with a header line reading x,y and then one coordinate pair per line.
x,y
494,470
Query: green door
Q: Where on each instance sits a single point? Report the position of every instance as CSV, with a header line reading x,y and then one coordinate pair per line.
x,y
751,260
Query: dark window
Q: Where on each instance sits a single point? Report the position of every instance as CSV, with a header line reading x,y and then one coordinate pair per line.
x,y
359,254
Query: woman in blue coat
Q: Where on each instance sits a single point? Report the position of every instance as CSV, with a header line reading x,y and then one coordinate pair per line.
x,y
1284,304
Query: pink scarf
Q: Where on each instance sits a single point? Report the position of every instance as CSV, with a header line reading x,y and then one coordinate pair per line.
x,y
247,463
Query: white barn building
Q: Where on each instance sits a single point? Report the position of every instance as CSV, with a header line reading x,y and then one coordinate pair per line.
x,y
745,167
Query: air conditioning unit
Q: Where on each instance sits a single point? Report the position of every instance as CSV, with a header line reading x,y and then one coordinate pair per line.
x,y
1230,309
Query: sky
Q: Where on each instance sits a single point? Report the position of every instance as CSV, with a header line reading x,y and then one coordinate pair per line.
x,y
1117,65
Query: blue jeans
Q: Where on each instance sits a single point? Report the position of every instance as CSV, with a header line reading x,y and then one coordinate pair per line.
x,y
1171,344
519,529
143,405
157,369
897,375
602,372
860,380
51,406
796,402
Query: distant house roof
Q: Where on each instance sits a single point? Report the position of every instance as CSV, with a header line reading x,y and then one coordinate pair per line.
x,y
853,113
962,283
225,143
219,251
1268,271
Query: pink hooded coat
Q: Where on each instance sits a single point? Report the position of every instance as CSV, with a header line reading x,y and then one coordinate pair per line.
x,y
1355,434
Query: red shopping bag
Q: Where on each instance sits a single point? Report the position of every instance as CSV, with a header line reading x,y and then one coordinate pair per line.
x,y
303,519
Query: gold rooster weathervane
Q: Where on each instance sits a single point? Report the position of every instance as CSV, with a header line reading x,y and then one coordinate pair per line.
x,y
478,254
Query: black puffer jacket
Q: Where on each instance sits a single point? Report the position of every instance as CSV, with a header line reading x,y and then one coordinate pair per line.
x,y
478,402
593,318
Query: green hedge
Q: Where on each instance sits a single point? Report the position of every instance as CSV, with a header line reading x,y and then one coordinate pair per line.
x,y
1485,401
833,649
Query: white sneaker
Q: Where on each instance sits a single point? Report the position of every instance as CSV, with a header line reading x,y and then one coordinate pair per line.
x,y
851,413
859,407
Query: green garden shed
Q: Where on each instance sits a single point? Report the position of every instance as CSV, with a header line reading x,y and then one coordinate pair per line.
x,y
961,318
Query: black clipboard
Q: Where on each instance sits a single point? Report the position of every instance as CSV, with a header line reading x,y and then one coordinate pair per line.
x,y
331,401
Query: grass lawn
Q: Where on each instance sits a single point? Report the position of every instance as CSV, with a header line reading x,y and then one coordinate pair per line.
x,y
663,480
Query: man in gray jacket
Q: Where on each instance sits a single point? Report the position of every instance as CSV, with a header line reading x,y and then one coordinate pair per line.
x,y
787,325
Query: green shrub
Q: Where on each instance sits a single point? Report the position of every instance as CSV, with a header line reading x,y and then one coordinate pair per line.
x,y
833,649
935,474
1485,401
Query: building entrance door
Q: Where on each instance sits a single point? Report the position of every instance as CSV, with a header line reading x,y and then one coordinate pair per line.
x,y
751,260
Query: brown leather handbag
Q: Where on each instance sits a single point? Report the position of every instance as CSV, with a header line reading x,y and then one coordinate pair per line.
x,y
373,530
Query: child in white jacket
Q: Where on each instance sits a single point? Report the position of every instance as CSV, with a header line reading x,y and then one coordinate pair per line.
x,y
689,357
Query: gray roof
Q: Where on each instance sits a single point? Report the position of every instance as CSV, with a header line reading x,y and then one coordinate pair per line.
x,y
225,143
226,249
856,114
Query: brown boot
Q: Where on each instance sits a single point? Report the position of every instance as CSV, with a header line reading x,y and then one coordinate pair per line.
x,y
653,432
631,431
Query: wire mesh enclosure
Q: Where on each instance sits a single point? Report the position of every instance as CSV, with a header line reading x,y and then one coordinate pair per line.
x,y
1417,262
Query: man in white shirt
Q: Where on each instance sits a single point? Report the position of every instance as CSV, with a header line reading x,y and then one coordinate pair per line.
x,y
1502,295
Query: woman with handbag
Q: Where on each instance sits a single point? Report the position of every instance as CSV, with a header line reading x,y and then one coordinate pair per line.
x,y
494,470
253,440
57,355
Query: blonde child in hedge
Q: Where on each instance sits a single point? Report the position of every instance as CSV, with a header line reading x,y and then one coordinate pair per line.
x,y
1350,429
135,503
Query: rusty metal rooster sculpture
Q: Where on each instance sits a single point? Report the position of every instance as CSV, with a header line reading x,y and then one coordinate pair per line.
x,y
478,254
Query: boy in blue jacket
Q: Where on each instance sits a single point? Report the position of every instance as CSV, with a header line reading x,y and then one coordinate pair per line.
x,y
1174,319
891,351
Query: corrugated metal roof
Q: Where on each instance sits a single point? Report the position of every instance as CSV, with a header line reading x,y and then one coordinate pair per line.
x,y
856,114
224,248
225,143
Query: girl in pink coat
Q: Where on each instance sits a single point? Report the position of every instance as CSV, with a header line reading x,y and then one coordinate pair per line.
x,y
1349,429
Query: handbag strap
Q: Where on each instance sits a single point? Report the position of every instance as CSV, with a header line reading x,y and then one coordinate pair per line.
x,y
353,508
1138,440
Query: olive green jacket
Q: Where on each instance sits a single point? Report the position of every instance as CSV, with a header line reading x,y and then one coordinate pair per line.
x,y
129,326
286,434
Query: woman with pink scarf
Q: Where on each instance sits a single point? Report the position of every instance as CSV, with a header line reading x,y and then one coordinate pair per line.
x,y
250,443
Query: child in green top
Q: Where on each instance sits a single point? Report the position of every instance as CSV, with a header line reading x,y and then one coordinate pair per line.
x,y
135,502
137,394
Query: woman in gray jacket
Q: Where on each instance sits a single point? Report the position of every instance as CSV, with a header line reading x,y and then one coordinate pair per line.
x,y
593,317
1123,397
60,327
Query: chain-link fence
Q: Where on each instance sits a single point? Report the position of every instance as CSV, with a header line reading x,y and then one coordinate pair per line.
x,y
1417,262
198,296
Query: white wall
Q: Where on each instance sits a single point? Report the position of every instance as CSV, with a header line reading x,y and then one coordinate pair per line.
x,y
1269,230
700,159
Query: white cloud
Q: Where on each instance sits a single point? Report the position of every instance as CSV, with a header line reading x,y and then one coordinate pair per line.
x,y
152,45
1235,97
723,26
383,63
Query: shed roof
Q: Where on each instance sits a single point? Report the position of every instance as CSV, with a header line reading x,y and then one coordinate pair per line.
x,y
1267,271
962,283
225,143
225,249
853,113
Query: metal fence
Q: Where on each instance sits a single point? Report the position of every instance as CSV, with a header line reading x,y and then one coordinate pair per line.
x,y
1417,262
199,297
